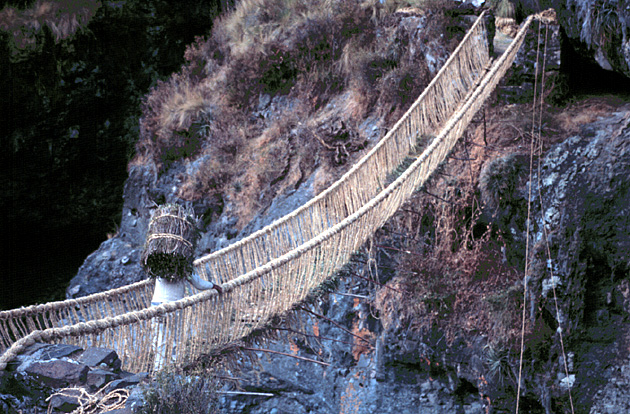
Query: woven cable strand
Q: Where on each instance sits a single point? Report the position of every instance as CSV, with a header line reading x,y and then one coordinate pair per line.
x,y
93,327
50,306
169,236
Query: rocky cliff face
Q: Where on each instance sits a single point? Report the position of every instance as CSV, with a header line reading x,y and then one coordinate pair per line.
x,y
598,30
601,30
392,366
584,206
418,321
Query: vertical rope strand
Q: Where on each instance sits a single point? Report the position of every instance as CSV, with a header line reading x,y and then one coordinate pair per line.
x,y
529,203
544,225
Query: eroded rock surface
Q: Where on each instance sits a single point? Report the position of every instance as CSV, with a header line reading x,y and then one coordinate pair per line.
x,y
597,30
585,190
32,383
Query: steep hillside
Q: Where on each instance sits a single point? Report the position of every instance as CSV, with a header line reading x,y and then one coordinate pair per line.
x,y
512,261
269,111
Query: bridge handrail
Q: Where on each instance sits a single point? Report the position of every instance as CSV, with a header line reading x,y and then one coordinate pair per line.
x,y
261,247
297,270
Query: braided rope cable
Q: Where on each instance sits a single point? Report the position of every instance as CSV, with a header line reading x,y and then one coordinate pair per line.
x,y
349,234
95,297
268,243
180,218
264,245
169,236
17,323
92,403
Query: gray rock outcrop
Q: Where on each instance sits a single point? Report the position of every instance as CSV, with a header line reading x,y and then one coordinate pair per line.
x,y
598,30
32,383
601,30
585,189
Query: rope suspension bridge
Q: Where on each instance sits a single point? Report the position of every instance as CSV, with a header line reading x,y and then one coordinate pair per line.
x,y
268,272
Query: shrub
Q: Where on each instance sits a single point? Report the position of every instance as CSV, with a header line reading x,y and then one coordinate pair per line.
x,y
170,110
499,181
173,393
451,273
500,365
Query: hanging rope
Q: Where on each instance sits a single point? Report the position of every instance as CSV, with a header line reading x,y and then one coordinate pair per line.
x,y
280,265
544,225
99,402
529,204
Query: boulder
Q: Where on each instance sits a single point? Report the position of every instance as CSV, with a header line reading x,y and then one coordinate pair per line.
x,y
61,372
97,357
98,378
598,30
58,373
65,402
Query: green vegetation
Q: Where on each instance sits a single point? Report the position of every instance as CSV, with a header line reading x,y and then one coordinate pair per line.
x,y
499,363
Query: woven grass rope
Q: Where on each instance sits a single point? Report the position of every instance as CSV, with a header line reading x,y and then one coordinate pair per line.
x,y
99,402
278,266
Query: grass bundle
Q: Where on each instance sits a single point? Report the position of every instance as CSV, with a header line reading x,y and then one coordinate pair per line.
x,y
168,251
506,9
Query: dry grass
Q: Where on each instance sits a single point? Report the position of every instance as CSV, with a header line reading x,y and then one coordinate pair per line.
x,y
452,278
317,63
171,238
63,18
585,112
452,266
507,25
173,392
